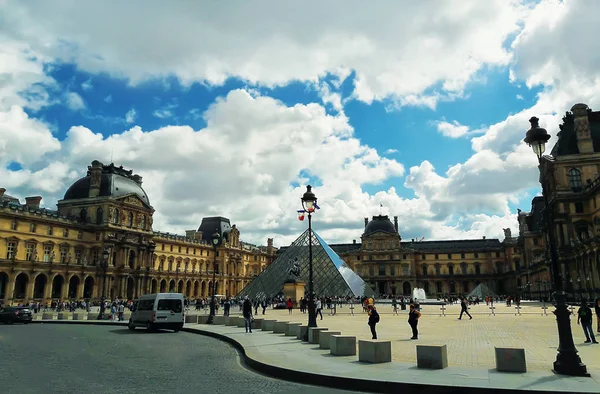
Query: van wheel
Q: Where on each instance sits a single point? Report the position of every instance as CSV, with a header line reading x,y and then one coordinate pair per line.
x,y
131,326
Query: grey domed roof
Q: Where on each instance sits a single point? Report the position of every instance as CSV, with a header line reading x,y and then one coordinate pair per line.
x,y
380,223
114,182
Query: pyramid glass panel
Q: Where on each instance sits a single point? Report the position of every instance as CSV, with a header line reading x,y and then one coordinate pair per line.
x,y
331,275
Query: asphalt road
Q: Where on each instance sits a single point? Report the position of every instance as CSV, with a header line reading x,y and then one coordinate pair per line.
x,y
52,358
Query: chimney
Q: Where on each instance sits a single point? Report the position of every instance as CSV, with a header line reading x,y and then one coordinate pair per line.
x,y
198,235
137,179
484,237
396,223
33,202
354,241
366,222
190,234
270,242
95,173
2,190
582,128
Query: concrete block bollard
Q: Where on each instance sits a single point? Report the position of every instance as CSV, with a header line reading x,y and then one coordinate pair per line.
x,y
313,334
302,333
241,322
64,316
375,351
432,357
231,320
292,329
221,320
510,360
92,316
202,319
268,325
342,345
280,327
325,338
48,316
257,324
80,316
192,319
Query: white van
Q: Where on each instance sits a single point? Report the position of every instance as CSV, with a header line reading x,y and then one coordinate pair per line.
x,y
156,311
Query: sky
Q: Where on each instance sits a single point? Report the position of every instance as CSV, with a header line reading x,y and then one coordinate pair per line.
x,y
410,109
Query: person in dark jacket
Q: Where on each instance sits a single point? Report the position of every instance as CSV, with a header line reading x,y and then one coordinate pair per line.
x,y
464,308
584,316
373,320
597,308
247,313
413,321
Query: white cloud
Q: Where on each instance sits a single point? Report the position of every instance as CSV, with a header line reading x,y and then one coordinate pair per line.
x,y
131,116
163,113
75,101
390,151
394,48
87,85
452,129
519,97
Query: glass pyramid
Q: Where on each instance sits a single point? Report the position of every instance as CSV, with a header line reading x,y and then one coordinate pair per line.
x,y
331,275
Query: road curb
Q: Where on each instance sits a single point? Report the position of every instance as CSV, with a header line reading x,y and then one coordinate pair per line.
x,y
318,379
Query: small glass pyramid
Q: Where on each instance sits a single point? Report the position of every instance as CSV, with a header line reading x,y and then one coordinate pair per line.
x,y
331,275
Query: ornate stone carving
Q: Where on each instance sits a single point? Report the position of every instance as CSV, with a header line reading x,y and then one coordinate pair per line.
x,y
134,201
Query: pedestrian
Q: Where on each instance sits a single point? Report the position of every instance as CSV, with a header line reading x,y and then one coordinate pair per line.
x,y
373,320
413,321
464,309
597,308
395,305
264,306
121,312
247,313
584,316
290,305
319,309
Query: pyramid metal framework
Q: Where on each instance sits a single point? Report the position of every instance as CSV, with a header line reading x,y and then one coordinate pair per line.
x,y
331,275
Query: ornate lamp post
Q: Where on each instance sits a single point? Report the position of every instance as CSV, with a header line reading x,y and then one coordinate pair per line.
x,y
216,240
567,361
104,266
309,204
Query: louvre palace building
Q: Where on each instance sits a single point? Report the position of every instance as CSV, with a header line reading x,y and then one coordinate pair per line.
x,y
59,254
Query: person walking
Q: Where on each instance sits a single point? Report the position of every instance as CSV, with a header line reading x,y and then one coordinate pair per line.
x,y
413,321
373,320
584,316
290,305
247,313
464,308
597,308
319,309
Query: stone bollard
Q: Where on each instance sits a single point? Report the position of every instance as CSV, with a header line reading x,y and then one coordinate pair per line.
x,y
313,334
510,360
48,316
302,333
202,319
325,338
92,316
268,325
280,327
241,322
374,351
192,319
220,320
432,357
257,324
342,345
64,316
80,316
292,329
231,320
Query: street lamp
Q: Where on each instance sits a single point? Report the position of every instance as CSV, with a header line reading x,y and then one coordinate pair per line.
x,y
567,361
309,204
104,266
216,240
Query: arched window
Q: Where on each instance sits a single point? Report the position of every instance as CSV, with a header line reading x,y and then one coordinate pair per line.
x,y
170,265
477,269
424,268
130,221
574,177
452,288
463,268
99,215
450,269
438,286
83,215
117,217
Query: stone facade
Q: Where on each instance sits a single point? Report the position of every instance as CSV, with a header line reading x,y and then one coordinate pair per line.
x,y
58,254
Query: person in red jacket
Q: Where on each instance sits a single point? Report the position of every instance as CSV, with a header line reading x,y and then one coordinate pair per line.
x,y
290,305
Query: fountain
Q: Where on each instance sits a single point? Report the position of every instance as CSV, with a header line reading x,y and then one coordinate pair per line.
x,y
421,297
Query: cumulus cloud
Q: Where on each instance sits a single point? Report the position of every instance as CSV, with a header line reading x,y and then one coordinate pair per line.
x,y
75,101
452,129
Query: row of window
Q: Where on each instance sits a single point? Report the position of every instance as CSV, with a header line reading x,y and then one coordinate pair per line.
x,y
187,251
49,254
424,256
370,269
14,225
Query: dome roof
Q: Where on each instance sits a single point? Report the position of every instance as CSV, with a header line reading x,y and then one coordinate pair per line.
x,y
380,223
114,182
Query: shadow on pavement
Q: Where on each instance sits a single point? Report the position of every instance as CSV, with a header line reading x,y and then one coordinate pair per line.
x,y
125,331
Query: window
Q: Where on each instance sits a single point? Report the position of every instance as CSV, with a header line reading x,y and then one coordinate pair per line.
x,y
424,269
438,269
130,219
116,218
187,250
79,235
404,257
463,268
146,305
13,225
162,247
47,252
179,249
98,235
535,242
143,222
381,270
66,233
462,255
170,305
574,178
131,259
50,230
405,270
499,267
498,254
423,256
194,251
438,286
11,250
437,256
477,269
450,269
392,270
63,255
371,270
83,215
32,228
77,256
449,256
95,256
171,248
476,255
29,252
99,216
578,207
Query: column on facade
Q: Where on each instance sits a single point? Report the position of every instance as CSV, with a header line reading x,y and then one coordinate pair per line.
x,y
64,291
29,288
10,289
81,287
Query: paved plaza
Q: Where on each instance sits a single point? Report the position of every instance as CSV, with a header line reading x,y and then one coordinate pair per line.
x,y
470,342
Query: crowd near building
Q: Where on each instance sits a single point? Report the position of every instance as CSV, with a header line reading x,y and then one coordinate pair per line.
x,y
47,255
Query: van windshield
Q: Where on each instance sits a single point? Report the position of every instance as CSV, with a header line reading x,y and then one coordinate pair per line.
x,y
169,305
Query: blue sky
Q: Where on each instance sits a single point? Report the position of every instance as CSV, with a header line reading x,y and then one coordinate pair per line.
x,y
282,95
